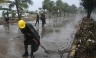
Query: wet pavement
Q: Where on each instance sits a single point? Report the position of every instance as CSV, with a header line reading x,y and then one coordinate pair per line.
x,y
58,34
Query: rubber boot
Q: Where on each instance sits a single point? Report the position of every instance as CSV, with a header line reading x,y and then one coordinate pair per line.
x,y
42,24
32,56
35,24
26,52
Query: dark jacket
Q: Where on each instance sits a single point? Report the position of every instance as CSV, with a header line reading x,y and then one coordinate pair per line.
x,y
6,19
42,17
37,17
30,32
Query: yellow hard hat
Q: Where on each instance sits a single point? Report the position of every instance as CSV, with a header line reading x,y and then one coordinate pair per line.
x,y
41,12
21,24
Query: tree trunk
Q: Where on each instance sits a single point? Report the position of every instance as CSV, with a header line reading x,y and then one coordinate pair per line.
x,y
57,14
89,13
17,9
44,11
64,13
49,16
90,8
44,16
7,13
60,14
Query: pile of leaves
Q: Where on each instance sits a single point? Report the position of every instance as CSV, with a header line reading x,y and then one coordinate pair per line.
x,y
86,39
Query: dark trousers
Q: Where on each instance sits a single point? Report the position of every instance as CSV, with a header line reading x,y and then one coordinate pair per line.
x,y
43,22
29,41
37,21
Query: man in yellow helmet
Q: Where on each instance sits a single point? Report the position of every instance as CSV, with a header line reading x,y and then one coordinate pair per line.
x,y
29,34
43,19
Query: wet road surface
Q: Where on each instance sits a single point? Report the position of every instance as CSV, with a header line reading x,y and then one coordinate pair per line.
x,y
57,34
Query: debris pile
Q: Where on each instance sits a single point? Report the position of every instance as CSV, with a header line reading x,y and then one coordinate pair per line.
x,y
86,39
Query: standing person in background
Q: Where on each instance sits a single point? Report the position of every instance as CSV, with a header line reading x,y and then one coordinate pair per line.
x,y
37,19
43,19
6,19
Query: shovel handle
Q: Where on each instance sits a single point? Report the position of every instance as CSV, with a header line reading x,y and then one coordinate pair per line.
x,y
36,41
41,46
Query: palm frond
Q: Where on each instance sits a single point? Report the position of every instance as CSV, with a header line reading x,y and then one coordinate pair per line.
x,y
28,2
25,6
11,5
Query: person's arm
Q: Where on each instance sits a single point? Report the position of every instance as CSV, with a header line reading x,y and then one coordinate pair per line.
x,y
37,42
38,17
37,38
33,33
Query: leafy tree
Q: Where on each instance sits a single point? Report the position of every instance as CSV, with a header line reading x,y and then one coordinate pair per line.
x,y
89,5
23,5
72,9
13,13
59,5
64,7
56,10
50,7
45,5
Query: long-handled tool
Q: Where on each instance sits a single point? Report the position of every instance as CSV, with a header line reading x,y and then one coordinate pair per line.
x,y
42,47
